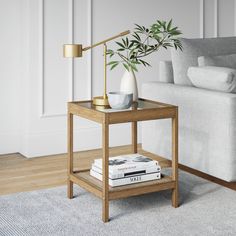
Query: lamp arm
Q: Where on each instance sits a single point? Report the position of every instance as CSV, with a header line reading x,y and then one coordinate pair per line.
x,y
106,40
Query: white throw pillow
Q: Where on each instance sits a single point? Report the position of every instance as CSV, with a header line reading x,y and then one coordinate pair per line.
x,y
221,60
194,48
214,78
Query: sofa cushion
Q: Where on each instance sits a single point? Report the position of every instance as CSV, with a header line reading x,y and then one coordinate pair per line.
x,y
192,49
166,72
214,78
221,60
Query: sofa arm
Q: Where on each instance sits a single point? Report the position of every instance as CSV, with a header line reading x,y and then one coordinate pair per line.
x,y
207,128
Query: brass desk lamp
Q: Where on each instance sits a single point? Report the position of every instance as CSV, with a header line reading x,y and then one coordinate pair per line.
x,y
76,50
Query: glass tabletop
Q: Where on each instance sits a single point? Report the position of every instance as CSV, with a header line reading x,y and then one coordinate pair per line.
x,y
141,104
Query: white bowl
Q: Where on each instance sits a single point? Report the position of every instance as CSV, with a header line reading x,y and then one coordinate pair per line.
x,y
120,100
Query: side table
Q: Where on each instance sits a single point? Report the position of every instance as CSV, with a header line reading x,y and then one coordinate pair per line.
x,y
143,110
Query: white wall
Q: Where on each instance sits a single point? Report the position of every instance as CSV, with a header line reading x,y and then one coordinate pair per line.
x,y
36,81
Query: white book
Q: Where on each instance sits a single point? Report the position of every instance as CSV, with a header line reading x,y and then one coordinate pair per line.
x,y
129,162
128,172
127,180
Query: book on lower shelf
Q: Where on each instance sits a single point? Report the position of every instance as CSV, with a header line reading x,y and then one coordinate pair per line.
x,y
127,180
128,169
128,172
127,162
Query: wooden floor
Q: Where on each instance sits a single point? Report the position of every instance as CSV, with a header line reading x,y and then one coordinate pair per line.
x,y
19,174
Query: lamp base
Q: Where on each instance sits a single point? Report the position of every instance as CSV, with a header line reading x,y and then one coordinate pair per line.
x,y
101,101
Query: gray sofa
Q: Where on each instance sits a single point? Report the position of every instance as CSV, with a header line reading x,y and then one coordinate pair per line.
x,y
207,119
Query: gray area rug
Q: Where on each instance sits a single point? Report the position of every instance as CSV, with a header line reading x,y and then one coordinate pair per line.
x,y
206,209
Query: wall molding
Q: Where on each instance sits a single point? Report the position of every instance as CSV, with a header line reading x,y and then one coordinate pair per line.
x,y
202,18
234,17
70,61
216,18
41,55
90,42
71,41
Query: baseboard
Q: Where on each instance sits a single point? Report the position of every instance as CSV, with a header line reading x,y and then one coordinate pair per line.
x,y
43,144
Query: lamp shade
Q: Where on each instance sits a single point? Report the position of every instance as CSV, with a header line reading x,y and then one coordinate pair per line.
x,y
72,50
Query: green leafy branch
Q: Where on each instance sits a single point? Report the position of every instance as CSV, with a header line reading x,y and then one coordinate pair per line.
x,y
143,42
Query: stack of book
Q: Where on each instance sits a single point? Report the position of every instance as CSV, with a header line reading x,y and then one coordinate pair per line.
x,y
128,169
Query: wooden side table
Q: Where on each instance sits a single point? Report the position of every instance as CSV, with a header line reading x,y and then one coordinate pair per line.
x,y
141,111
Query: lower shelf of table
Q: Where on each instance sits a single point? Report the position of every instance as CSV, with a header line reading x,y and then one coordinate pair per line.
x,y
91,184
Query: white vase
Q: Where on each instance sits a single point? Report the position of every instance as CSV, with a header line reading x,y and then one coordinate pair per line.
x,y
129,84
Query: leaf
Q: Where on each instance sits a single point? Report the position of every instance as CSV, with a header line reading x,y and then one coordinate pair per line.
x,y
179,46
112,62
120,44
127,42
159,22
120,49
136,36
176,32
135,41
124,43
113,66
110,51
167,44
164,25
126,66
144,62
138,27
169,25
132,51
173,29
133,66
135,62
131,45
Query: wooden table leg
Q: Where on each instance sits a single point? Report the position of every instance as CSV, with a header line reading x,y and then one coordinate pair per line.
x,y
105,173
70,155
134,137
175,159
